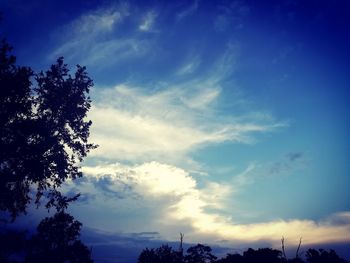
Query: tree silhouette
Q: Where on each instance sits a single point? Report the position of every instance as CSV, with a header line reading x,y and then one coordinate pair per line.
x,y
43,132
232,258
163,254
263,255
43,137
57,240
199,254
12,242
323,256
148,256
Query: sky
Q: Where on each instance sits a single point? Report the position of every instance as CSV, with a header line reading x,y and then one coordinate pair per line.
x,y
224,120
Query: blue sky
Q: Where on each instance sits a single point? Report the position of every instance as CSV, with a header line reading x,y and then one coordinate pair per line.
x,y
227,120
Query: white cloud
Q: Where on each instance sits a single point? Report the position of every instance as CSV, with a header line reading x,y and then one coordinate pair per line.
x,y
135,124
130,124
147,179
155,131
173,201
148,21
98,22
170,194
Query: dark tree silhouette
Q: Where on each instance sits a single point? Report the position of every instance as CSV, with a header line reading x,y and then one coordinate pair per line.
x,y
11,243
167,254
57,240
199,254
295,260
232,258
148,256
163,254
323,256
263,255
43,132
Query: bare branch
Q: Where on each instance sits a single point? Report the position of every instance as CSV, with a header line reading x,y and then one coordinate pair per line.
x,y
181,241
283,251
297,252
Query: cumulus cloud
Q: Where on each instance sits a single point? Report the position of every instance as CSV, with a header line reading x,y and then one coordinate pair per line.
x,y
175,201
171,195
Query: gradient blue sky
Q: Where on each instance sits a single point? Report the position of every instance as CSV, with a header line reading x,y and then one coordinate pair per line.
x,y
225,120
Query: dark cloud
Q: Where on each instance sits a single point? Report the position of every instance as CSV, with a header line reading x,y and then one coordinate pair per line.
x,y
294,156
289,163
84,196
114,188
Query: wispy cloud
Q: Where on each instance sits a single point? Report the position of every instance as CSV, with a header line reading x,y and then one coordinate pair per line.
x,y
188,11
189,67
108,52
231,15
131,124
148,21
140,124
283,166
93,38
100,21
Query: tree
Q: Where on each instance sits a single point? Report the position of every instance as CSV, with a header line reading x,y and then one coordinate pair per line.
x,y
57,240
232,258
43,132
323,256
166,254
148,256
199,254
12,243
163,254
263,255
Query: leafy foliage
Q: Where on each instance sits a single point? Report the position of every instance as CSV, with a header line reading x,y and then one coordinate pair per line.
x,y
43,132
